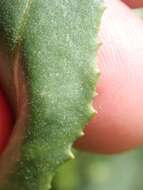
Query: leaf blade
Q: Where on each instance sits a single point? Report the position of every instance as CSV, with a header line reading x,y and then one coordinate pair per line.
x,y
58,43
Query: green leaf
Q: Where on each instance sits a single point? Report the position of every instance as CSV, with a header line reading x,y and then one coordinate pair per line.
x,y
55,43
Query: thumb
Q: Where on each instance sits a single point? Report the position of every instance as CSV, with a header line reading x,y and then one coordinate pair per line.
x,y
118,126
134,3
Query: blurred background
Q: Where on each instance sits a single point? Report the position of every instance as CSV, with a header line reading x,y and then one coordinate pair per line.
x,y
99,172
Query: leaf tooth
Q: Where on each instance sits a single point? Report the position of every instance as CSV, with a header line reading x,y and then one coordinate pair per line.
x,y
98,43
71,155
92,111
81,133
98,71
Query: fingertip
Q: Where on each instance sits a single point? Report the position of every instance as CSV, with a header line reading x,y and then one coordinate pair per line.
x,y
134,3
118,126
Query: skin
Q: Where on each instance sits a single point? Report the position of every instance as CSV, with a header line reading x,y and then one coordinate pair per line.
x,y
134,3
118,126
6,121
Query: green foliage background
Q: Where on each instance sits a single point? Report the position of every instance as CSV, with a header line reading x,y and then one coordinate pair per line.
x,y
98,172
